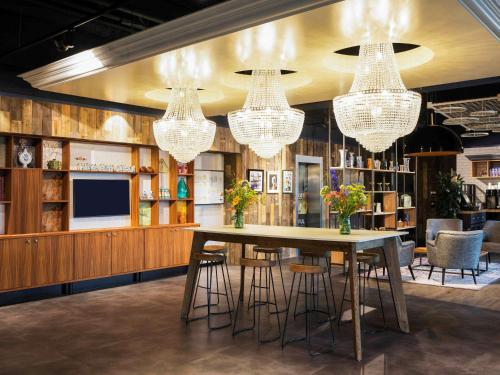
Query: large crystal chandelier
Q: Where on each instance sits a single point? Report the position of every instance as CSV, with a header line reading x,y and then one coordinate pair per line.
x,y
378,109
183,131
266,122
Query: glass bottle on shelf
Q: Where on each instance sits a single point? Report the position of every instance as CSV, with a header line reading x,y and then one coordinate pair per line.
x,y
182,189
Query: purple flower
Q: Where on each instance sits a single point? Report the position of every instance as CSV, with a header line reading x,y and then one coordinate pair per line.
x,y
334,180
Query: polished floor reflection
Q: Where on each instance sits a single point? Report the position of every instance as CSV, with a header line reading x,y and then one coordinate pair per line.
x,y
136,329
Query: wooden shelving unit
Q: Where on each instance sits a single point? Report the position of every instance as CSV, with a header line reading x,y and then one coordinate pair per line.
x,y
27,211
482,169
383,186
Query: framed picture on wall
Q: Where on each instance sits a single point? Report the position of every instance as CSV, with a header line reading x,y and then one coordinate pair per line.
x,y
256,179
273,182
287,182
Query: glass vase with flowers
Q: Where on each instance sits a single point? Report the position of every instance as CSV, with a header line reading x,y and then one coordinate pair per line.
x,y
240,196
345,200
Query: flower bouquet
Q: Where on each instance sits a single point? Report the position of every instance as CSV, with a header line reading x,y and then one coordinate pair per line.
x,y
240,196
345,200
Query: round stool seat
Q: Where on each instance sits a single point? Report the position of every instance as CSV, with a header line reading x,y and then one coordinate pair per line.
x,y
215,249
267,250
209,257
248,262
306,268
369,258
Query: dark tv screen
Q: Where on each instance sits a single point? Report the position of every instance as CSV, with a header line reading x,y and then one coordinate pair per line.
x,y
101,198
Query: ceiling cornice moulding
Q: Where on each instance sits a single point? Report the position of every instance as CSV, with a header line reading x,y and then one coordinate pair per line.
x,y
218,20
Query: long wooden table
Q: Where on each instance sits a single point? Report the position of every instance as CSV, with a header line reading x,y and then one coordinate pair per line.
x,y
312,239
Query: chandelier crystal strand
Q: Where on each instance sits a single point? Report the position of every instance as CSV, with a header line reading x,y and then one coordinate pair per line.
x,y
183,130
266,122
378,109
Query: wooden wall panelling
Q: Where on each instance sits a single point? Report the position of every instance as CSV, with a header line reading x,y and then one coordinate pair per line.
x,y
92,255
26,205
56,120
87,123
127,251
224,141
15,264
52,259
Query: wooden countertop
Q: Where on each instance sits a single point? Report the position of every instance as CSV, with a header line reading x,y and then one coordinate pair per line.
x,y
301,233
79,231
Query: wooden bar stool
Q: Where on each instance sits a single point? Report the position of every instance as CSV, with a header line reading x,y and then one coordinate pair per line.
x,y
211,262
364,259
221,250
268,252
265,265
314,258
311,273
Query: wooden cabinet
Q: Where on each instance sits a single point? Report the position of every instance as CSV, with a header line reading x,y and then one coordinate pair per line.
x,y
181,246
26,208
52,258
157,248
92,255
15,263
167,247
127,251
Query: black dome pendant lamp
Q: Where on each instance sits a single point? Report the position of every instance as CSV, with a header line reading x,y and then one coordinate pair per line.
x,y
433,140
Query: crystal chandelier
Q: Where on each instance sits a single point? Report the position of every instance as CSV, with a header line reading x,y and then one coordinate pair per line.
x,y
183,131
378,109
266,122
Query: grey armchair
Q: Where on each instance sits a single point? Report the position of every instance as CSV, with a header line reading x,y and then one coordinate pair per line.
x,y
406,252
435,225
455,250
491,239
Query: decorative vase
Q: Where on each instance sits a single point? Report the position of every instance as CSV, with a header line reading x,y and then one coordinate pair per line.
x,y
345,224
239,220
182,189
342,157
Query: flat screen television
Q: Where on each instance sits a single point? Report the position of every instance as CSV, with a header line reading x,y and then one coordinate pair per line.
x,y
101,198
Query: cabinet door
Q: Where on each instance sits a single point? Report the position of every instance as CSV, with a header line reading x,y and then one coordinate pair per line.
x,y
26,196
157,247
181,246
127,253
92,255
15,263
52,259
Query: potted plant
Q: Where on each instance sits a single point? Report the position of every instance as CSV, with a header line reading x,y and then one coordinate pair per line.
x,y
240,196
345,200
449,194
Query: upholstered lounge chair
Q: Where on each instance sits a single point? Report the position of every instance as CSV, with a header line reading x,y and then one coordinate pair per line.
x,y
455,250
435,225
491,241
406,252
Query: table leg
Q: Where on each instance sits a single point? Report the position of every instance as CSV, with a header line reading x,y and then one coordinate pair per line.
x,y
242,272
355,310
196,247
394,274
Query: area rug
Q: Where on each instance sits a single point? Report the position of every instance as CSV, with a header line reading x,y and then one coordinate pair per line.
x,y
453,278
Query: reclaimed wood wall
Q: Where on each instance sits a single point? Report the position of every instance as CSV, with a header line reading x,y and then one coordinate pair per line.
x,y
37,117
276,209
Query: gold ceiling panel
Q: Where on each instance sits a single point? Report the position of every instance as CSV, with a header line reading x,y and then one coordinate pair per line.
x,y
456,48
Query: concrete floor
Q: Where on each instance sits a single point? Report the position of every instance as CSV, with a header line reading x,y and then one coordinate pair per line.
x,y
136,329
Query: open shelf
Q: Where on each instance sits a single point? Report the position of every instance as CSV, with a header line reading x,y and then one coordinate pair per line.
x,y
406,172
383,171
407,227
352,169
381,213
55,201
383,191
4,202
46,170
406,208
104,172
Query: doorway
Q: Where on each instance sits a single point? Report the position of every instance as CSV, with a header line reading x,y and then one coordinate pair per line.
x,y
308,202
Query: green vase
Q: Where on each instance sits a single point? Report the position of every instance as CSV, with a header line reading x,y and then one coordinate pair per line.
x,y
345,225
239,220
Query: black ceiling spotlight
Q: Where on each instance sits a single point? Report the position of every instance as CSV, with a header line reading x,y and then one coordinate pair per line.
x,y
65,41
433,140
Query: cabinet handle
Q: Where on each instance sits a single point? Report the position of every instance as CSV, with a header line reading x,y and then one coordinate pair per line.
x,y
114,234
28,242
109,234
35,240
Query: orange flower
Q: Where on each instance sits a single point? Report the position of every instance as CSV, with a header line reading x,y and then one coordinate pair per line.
x,y
235,201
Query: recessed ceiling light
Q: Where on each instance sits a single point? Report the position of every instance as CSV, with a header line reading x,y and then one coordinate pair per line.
x,y
474,135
